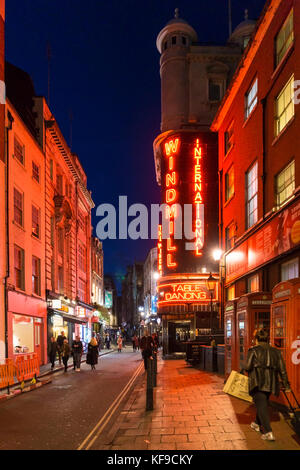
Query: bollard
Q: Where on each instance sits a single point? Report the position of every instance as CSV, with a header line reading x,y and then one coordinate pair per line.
x,y
154,368
149,391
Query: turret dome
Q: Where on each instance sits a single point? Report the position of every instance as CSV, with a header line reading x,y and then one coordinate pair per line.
x,y
176,25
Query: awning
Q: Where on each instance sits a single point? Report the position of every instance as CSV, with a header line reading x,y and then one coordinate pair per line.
x,y
69,318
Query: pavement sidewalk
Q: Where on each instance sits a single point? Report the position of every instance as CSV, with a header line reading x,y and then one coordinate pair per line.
x,y
191,412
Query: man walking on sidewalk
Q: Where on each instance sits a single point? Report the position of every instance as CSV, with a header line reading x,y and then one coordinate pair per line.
x,y
60,343
77,349
146,346
266,368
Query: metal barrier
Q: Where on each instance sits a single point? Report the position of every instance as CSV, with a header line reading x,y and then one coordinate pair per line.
x,y
27,366
7,373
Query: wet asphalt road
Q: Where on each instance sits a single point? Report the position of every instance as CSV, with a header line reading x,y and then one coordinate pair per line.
x,y
60,415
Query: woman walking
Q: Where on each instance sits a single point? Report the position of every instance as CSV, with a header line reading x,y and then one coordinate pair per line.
x,y
266,370
66,350
120,343
92,354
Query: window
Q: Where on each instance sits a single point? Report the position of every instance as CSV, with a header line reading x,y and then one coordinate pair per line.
x,y
230,293
81,289
290,269
253,283
81,220
183,40
81,257
215,89
251,195
59,184
36,276
60,279
18,207
51,169
229,236
251,99
285,184
52,229
19,268
60,244
284,106
173,39
19,151
35,222
165,45
229,184
284,38
228,139
35,172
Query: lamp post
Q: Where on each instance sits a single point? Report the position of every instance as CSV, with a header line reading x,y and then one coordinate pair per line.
x,y
210,284
218,255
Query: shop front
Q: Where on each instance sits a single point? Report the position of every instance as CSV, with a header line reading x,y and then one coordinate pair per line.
x,y
27,326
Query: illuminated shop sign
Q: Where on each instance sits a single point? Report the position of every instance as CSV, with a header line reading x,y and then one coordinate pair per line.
x,y
185,292
159,250
171,150
198,199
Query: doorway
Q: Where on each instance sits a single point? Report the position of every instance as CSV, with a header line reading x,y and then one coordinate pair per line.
x,y
178,333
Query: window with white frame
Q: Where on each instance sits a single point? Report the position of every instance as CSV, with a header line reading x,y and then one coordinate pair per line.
x,y
251,99
290,269
253,283
18,207
35,172
251,195
284,106
19,150
284,38
285,184
228,139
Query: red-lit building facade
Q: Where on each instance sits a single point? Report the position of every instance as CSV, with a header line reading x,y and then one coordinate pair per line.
x,y
194,78
68,205
258,124
2,191
46,228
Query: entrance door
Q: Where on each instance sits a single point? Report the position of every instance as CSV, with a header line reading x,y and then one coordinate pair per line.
x,y
179,333
38,341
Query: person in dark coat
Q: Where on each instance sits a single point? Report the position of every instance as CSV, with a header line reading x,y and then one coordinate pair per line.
x,y
52,350
267,372
146,346
66,351
77,350
92,354
60,344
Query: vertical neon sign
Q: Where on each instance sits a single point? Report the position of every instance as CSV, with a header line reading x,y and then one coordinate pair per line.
x,y
198,199
159,250
171,149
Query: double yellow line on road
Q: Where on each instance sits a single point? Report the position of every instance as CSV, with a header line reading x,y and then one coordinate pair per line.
x,y
95,433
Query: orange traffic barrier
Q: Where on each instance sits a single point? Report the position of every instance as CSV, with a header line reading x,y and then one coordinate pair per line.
x,y
7,373
27,366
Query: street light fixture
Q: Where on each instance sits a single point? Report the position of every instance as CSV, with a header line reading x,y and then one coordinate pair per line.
x,y
210,284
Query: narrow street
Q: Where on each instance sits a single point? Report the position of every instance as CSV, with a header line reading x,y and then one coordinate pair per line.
x,y
62,414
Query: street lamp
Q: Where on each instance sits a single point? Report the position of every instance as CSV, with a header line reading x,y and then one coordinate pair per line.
x,y
210,284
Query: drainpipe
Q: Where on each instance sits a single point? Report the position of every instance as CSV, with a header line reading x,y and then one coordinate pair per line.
x,y
7,129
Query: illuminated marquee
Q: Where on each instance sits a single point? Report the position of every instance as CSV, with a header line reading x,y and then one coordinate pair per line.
x,y
184,292
198,200
171,150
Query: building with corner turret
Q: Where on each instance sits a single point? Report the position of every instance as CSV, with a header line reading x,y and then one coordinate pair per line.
x,y
194,79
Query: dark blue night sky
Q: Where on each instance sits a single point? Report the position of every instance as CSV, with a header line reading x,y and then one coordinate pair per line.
x,y
105,71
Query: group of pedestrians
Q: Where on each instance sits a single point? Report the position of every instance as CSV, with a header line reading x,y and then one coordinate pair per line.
x,y
62,348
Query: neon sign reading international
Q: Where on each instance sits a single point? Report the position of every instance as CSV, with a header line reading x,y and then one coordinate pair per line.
x,y
159,250
171,150
198,199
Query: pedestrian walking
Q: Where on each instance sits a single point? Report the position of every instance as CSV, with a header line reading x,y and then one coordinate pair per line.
x,y
66,351
146,346
107,341
137,343
92,353
267,372
120,343
155,341
77,350
52,350
60,344
133,339
99,341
